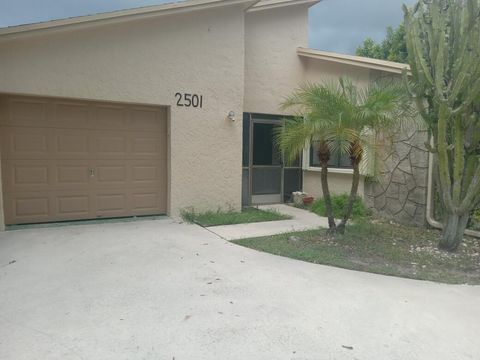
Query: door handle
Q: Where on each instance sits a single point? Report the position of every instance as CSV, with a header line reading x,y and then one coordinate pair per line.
x,y
92,172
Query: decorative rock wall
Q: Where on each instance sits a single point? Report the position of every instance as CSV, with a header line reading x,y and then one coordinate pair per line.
x,y
400,190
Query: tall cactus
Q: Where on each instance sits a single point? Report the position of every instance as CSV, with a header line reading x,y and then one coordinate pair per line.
x,y
443,40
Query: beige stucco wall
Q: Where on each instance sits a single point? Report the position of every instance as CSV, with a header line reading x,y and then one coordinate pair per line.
x,y
272,67
338,183
147,61
318,71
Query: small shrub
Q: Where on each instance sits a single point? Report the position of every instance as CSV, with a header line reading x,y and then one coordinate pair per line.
x,y
475,220
188,215
339,203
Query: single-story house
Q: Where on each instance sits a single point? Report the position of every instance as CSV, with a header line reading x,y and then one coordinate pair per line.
x,y
158,109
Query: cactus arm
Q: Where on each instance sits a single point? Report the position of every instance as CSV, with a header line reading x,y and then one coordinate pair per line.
x,y
472,193
417,61
473,93
458,161
422,63
443,162
440,68
409,40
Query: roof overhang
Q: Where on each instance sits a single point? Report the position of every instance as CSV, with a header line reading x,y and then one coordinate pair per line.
x,y
272,4
359,61
123,15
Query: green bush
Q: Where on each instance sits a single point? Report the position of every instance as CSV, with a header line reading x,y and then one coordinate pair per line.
x,y
475,220
339,203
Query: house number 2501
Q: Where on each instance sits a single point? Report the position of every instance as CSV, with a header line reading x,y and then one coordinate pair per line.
x,y
189,100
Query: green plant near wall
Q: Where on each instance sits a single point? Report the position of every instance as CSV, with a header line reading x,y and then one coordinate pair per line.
x,y
339,203
475,220
443,41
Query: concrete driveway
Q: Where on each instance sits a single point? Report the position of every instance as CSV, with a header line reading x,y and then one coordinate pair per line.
x,y
159,290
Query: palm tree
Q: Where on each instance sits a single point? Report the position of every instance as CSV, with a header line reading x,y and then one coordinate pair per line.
x,y
341,118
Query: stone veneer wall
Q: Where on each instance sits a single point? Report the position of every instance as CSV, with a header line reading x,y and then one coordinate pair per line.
x,y
400,190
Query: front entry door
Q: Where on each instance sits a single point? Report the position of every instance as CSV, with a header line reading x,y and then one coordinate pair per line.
x,y
267,167
266,179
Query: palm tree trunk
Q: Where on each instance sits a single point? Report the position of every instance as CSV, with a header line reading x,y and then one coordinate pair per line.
x,y
353,196
323,153
327,198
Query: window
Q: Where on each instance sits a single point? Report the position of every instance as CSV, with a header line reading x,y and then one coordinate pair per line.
x,y
336,161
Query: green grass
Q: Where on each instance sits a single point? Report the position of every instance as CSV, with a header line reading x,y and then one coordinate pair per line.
x,y
248,215
339,203
381,248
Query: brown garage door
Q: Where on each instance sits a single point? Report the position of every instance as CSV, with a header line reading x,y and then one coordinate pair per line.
x,y
69,160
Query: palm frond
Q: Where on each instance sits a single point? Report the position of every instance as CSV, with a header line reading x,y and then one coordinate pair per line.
x,y
344,116
293,137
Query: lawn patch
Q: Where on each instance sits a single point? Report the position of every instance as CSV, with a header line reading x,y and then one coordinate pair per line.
x,y
379,247
247,215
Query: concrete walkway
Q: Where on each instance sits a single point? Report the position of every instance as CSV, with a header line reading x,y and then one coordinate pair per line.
x,y
301,220
159,290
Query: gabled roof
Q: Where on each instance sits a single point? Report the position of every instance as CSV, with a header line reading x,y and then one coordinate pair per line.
x,y
123,15
373,64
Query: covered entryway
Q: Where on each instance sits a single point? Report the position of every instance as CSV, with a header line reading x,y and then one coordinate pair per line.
x,y
70,160
267,179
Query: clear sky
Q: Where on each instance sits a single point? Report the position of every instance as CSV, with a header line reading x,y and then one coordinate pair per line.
x,y
335,25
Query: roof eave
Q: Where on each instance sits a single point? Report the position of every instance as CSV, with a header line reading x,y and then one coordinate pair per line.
x,y
279,4
121,15
372,64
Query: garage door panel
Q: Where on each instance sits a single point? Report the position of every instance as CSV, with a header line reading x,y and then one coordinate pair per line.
x,y
67,160
44,175
113,144
148,202
111,204
26,175
23,111
148,119
145,173
30,175
128,145
148,174
68,114
71,144
25,143
112,174
22,208
71,205
128,174
77,205
32,206
110,117
147,146
72,174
